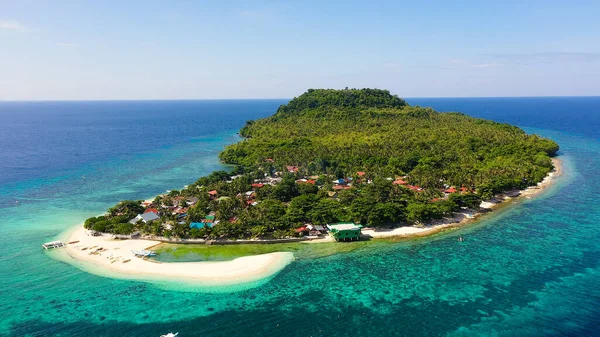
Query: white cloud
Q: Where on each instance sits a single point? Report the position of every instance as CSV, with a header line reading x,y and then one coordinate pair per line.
x,y
464,64
65,44
13,25
485,65
547,57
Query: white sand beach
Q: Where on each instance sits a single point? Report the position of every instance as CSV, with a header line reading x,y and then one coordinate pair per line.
x,y
467,216
116,259
106,256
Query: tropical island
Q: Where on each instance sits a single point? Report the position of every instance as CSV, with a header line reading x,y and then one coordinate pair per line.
x,y
337,161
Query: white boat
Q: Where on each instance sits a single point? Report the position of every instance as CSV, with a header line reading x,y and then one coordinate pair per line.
x,y
52,245
143,253
170,334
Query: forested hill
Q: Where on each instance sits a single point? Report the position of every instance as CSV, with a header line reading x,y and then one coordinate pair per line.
x,y
396,165
348,99
341,132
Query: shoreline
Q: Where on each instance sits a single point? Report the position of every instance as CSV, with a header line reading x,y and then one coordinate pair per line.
x,y
468,216
116,260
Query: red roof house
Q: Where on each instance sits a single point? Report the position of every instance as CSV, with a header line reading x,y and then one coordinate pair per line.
x,y
399,182
292,169
153,210
451,190
306,181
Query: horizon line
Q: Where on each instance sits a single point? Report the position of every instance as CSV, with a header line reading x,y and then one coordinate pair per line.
x,y
273,99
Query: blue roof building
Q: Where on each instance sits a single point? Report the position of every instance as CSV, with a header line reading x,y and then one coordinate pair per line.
x,y
197,225
201,224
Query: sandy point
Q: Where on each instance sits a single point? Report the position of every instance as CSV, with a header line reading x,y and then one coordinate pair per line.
x,y
108,257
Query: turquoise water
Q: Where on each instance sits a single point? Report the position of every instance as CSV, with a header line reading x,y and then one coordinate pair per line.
x,y
531,270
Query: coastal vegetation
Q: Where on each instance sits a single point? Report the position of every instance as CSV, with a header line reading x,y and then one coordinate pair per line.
x,y
352,155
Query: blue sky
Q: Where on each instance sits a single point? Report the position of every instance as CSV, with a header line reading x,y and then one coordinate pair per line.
x,y
77,50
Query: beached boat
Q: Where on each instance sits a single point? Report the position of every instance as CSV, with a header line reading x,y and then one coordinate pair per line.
x,y
143,253
52,245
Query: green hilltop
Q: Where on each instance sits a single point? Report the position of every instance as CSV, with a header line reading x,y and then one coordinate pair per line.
x,y
345,131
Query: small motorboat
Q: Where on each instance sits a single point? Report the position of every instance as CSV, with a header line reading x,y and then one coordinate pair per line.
x,y
52,245
143,253
170,334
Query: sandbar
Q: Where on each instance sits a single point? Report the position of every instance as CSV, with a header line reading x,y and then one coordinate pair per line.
x,y
116,258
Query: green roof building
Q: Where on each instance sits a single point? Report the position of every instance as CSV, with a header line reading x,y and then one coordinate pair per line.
x,y
345,231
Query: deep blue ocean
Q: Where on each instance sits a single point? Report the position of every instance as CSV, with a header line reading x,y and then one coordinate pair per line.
x,y
529,270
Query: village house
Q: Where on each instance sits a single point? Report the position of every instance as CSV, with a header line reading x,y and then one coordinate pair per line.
x,y
179,210
315,230
273,181
340,181
302,230
399,182
360,176
145,218
450,190
199,225
178,201
292,169
209,221
191,201
232,178
152,210
345,231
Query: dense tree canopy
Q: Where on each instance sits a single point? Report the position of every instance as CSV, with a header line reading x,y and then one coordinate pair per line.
x,y
391,138
398,164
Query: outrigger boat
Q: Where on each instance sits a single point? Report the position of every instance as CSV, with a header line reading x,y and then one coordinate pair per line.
x,y
143,253
52,245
